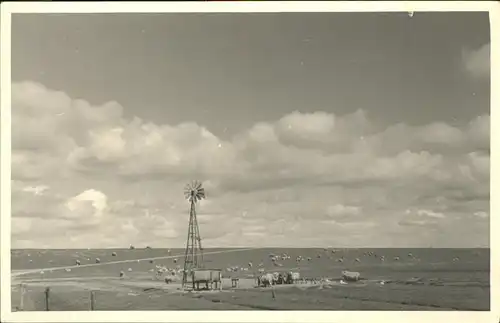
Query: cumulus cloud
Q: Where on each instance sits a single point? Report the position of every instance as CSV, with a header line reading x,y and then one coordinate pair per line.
x,y
98,177
477,61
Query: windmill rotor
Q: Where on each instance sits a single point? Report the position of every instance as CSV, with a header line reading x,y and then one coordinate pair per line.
x,y
194,191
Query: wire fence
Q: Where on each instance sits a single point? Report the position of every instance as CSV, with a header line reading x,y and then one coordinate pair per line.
x,y
27,297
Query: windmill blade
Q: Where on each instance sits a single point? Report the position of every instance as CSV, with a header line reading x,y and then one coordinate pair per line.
x,y
198,185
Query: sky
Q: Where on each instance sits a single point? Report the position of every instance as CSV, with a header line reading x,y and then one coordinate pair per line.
x,y
306,129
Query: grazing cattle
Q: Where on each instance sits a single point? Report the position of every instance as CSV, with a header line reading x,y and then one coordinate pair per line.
x,y
292,277
113,254
131,247
456,259
340,260
31,260
250,264
175,260
148,247
130,269
357,260
78,262
410,255
97,260
122,274
396,258
68,270
309,258
151,261
350,275
265,280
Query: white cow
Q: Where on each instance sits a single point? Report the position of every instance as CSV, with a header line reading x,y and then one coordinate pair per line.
x,y
265,280
350,275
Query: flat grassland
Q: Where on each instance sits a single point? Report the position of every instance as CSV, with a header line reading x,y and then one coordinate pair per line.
x,y
421,279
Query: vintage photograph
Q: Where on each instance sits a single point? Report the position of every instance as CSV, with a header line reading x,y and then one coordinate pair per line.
x,y
250,161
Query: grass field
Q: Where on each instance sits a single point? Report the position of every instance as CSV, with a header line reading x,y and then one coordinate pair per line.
x,y
430,279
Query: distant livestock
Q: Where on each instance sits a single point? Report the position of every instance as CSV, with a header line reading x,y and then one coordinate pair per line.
x,y
265,280
78,262
350,275
131,247
396,258
97,260
122,274
357,260
113,254
292,277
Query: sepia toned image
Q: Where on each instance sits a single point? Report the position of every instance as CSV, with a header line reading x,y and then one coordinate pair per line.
x,y
250,161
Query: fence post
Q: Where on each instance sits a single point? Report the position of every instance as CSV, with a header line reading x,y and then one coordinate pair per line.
x,y
92,300
23,291
47,293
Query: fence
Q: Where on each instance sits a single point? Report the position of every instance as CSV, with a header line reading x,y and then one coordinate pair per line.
x,y
32,297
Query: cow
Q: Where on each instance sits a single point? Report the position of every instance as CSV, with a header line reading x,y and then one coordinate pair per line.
x,y
78,262
292,277
97,260
265,280
350,275
113,254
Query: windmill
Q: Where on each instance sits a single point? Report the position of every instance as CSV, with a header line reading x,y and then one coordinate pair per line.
x,y
193,257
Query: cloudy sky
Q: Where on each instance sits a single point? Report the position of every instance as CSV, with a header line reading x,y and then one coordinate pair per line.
x,y
317,129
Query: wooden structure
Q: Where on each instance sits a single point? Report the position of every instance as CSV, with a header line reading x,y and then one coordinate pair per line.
x,y
209,277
